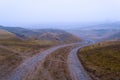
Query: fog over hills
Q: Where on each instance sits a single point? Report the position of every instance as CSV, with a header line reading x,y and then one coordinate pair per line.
x,y
101,25
42,34
43,39
73,25
104,31
99,31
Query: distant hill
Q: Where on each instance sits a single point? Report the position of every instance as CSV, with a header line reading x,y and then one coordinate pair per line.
x,y
43,34
101,31
7,35
21,32
56,35
98,34
112,25
109,25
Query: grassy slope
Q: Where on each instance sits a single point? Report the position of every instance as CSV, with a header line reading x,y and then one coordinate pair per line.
x,y
6,35
56,35
8,61
102,60
27,48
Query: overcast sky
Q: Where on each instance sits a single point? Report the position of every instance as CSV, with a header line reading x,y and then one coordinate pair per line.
x,y
22,12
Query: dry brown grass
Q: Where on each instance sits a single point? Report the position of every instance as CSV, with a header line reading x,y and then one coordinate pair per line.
x,y
13,52
27,48
6,35
102,60
8,61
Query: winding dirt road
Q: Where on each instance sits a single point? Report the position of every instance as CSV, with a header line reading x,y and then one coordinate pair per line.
x,y
31,63
75,67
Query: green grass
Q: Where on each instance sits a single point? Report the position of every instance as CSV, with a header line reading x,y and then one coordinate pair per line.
x,y
102,60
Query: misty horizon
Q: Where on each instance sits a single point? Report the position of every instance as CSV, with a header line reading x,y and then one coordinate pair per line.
x,y
69,26
25,13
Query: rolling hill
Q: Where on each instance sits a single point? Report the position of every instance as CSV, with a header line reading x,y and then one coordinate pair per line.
x,y
98,34
7,35
21,32
56,35
98,31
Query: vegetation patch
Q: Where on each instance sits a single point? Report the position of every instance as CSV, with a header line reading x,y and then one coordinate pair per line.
x,y
102,60
8,61
14,52
27,48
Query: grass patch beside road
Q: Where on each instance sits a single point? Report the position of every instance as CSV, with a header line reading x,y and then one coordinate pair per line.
x,y
27,48
13,52
8,61
102,60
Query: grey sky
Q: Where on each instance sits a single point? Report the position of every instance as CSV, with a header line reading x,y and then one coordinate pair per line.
x,y
20,12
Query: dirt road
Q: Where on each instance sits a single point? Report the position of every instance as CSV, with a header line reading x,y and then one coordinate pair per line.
x,y
20,72
75,67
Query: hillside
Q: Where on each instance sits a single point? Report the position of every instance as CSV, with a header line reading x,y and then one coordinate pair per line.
x,y
98,34
107,25
8,61
102,60
7,35
21,32
56,35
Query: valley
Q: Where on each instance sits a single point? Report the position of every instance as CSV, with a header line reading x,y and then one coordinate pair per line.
x,y
59,39
53,54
